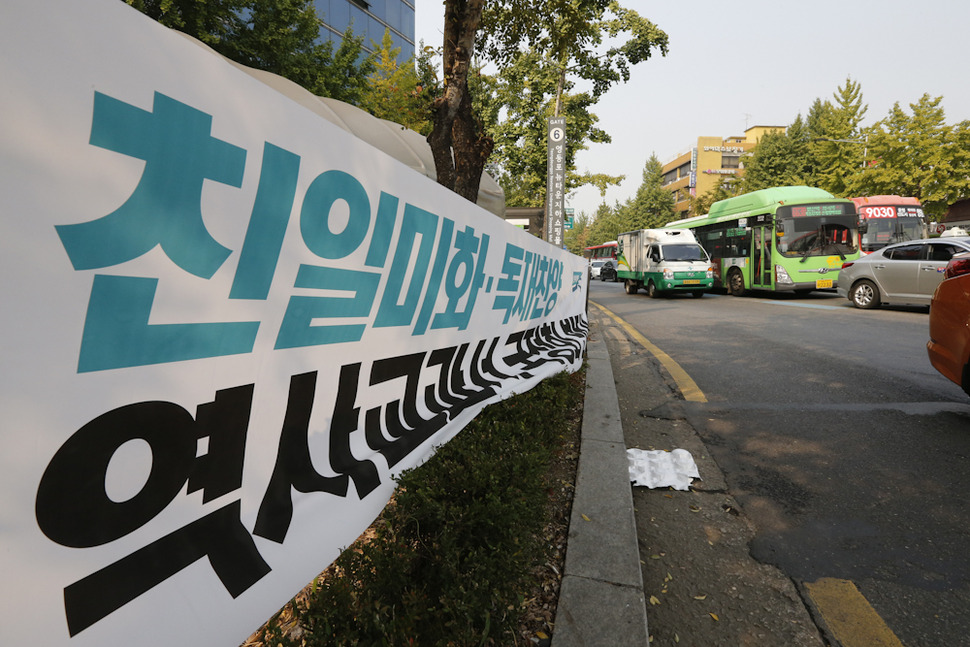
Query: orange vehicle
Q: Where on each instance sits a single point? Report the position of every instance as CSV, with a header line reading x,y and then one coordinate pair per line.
x,y
885,219
949,344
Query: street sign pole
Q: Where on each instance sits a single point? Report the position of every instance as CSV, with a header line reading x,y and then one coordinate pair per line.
x,y
555,180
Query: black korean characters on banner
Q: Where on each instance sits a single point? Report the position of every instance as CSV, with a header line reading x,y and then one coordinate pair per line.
x,y
432,389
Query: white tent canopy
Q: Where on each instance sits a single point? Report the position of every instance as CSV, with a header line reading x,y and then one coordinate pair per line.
x,y
404,145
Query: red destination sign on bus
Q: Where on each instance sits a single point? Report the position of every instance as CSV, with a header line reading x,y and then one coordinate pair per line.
x,y
878,212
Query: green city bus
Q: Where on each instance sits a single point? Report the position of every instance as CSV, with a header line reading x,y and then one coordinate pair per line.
x,y
792,239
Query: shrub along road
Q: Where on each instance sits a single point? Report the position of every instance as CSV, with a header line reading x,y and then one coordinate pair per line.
x,y
471,548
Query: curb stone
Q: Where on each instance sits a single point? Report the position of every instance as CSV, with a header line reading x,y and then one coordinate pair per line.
x,y
601,600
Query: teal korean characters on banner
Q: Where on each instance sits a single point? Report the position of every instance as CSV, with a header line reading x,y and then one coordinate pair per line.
x,y
420,270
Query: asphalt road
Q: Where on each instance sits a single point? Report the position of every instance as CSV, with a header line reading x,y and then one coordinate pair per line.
x,y
842,451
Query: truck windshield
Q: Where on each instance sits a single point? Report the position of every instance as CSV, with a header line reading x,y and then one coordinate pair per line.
x,y
684,252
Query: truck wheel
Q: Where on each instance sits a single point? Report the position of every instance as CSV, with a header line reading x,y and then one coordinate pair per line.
x,y
652,291
736,283
630,287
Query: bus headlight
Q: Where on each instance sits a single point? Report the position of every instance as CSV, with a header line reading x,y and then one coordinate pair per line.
x,y
781,276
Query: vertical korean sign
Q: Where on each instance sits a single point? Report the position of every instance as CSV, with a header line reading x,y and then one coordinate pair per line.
x,y
693,172
556,180
227,325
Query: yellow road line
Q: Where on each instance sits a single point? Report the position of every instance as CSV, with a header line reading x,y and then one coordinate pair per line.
x,y
849,616
687,386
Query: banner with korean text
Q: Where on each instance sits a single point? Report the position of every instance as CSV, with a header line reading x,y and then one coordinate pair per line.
x,y
226,326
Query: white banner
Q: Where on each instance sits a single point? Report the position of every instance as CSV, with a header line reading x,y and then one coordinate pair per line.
x,y
226,325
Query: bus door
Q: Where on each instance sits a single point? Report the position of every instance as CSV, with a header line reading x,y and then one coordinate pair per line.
x,y
761,268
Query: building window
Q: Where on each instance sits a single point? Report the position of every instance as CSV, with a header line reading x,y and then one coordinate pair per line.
x,y
369,19
730,161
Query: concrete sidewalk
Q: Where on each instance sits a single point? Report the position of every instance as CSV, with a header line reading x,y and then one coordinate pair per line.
x,y
601,601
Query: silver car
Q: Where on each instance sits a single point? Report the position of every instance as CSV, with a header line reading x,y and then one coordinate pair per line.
x,y
899,274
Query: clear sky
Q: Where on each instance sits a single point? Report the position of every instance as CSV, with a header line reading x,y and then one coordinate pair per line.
x,y
733,65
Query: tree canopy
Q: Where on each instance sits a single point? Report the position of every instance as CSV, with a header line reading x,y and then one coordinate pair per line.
x,y
779,159
540,44
911,153
397,92
515,105
571,33
834,140
917,154
278,36
652,206
723,190
209,22
542,49
607,224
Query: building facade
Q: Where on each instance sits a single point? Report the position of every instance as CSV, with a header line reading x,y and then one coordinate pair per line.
x,y
369,18
711,161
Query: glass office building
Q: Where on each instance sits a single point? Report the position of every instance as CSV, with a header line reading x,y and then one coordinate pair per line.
x,y
369,18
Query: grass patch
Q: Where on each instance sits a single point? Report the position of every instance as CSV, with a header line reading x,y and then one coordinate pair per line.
x,y
455,558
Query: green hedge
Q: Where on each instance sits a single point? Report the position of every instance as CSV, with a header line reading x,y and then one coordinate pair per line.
x,y
450,560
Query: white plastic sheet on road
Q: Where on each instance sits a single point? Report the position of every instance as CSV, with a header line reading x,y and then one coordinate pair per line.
x,y
659,468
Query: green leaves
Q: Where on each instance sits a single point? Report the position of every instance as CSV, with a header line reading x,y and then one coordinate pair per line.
x,y
515,105
449,559
779,159
208,21
911,153
918,155
396,92
278,36
652,206
543,48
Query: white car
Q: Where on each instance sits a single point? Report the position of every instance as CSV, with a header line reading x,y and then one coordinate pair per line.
x,y
594,269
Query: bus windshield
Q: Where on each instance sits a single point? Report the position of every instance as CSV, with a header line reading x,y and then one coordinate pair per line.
x,y
684,252
880,232
801,233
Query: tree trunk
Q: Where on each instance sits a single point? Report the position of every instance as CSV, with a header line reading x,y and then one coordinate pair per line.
x,y
459,146
472,148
